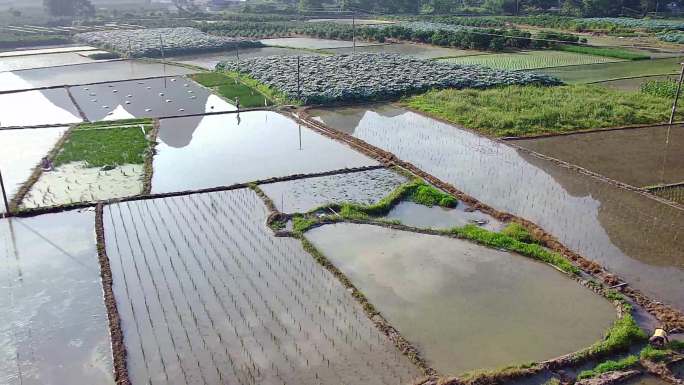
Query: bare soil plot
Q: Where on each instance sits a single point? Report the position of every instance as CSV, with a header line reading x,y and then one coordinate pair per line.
x,y
221,150
207,295
160,97
303,195
54,106
87,73
639,157
465,306
607,224
53,324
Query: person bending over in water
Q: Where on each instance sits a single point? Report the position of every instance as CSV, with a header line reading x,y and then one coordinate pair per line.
x,y
46,164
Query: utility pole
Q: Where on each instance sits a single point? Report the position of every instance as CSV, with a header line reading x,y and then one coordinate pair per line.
x,y
4,195
676,99
299,89
353,32
161,47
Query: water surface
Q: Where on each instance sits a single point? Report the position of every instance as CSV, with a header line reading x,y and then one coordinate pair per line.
x,y
312,43
436,217
53,324
14,63
33,108
465,306
209,60
220,150
638,238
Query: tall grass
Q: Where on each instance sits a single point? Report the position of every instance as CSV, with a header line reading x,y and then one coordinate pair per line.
x,y
529,110
609,366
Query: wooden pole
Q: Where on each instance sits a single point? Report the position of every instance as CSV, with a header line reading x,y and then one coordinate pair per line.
x,y
676,99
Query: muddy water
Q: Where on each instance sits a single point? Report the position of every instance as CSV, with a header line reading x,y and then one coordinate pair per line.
x,y
207,295
87,73
415,215
303,195
678,370
159,97
55,106
53,324
23,150
221,150
25,52
640,239
210,60
639,157
420,51
646,379
463,305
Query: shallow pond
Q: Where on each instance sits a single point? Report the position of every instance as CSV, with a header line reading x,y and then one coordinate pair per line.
x,y
22,153
312,43
55,107
639,157
53,326
172,96
220,150
303,195
638,238
416,215
207,295
465,306
87,73
209,60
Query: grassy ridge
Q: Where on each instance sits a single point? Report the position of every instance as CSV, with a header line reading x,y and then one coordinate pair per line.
x,y
609,366
617,53
103,144
529,110
232,88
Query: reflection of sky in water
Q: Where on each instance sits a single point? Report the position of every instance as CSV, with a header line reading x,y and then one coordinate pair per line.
x,y
220,150
22,151
448,295
636,237
87,73
53,324
160,97
32,108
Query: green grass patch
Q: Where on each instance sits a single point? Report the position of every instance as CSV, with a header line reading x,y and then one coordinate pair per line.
x,y
654,354
623,333
502,241
105,144
529,60
272,94
530,110
617,53
609,366
661,88
517,231
301,224
233,88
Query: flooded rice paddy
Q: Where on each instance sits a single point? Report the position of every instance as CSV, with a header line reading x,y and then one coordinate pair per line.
x,y
609,71
303,195
169,96
76,182
55,107
634,236
312,43
207,295
14,63
465,306
44,51
436,217
87,73
639,157
23,150
221,150
210,60
53,324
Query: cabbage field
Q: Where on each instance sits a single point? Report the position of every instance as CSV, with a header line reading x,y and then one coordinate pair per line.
x,y
672,36
645,24
148,42
363,77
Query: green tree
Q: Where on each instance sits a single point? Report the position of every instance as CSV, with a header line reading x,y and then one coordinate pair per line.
x,y
307,5
69,8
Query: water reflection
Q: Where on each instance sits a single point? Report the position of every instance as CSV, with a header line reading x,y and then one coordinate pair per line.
x,y
53,327
32,108
637,237
217,151
172,96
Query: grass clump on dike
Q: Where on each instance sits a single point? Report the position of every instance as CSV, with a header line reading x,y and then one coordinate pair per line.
x,y
231,87
530,110
609,366
107,144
